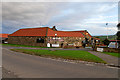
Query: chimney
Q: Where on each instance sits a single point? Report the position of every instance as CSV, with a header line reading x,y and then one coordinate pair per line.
x,y
54,28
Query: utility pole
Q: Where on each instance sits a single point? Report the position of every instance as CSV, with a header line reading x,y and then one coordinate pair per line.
x,y
116,42
55,38
107,30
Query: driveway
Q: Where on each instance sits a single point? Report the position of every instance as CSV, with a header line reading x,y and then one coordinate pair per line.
x,y
111,60
30,66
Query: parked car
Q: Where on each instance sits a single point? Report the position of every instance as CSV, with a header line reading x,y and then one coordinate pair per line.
x,y
113,45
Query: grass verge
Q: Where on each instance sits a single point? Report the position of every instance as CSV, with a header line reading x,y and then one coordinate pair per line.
x,y
66,54
16,45
113,54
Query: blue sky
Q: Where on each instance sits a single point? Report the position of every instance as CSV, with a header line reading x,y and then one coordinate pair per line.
x,y
66,16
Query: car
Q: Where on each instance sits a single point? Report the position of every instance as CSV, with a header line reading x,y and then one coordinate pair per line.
x,y
113,45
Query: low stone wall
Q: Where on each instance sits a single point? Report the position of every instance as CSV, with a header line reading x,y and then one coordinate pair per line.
x,y
116,50
68,46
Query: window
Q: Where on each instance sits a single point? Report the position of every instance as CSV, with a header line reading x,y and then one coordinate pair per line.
x,y
40,40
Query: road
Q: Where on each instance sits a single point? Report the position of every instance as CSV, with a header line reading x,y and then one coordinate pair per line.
x,y
30,66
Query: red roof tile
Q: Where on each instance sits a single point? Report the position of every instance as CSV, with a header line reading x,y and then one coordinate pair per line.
x,y
96,38
82,31
30,32
64,33
4,35
45,30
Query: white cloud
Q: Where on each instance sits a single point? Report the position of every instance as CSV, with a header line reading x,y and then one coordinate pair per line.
x,y
100,17
116,22
107,7
60,0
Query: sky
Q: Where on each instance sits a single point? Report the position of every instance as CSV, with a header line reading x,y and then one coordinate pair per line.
x,y
66,16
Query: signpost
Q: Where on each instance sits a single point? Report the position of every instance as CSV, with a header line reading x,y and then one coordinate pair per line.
x,y
100,49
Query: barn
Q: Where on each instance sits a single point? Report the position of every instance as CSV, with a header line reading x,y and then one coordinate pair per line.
x,y
48,37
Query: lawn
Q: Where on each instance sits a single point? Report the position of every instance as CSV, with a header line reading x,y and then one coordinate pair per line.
x,y
66,54
16,45
113,54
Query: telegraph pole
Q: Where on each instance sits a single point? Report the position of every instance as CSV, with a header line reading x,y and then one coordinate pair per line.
x,y
107,30
55,38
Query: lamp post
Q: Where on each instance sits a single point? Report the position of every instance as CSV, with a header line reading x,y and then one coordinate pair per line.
x,y
86,39
116,42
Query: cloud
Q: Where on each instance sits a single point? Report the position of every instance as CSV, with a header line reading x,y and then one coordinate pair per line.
x,y
64,15
60,1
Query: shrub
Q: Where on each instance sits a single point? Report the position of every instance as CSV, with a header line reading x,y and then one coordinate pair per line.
x,y
106,42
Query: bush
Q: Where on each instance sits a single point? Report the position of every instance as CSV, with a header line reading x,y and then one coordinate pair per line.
x,y
106,42
118,35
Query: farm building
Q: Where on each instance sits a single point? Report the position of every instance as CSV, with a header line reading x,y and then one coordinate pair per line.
x,y
48,37
4,38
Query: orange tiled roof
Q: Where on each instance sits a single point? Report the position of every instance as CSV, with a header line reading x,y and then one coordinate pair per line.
x,y
64,33
45,31
4,35
96,38
82,31
30,32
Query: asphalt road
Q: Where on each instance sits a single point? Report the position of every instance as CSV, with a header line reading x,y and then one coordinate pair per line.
x,y
29,66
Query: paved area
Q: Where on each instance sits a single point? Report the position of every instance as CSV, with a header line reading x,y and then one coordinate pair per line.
x,y
8,74
30,66
0,72
108,58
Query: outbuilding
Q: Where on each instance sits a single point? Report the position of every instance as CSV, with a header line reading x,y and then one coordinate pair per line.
x,y
48,37
4,38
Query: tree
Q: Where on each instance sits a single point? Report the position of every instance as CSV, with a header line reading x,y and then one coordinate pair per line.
x,y
118,35
106,42
97,37
118,25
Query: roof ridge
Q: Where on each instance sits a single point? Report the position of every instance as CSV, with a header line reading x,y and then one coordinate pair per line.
x,y
64,31
3,33
33,28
